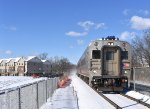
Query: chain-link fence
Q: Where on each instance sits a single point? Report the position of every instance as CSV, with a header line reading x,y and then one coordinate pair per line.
x,y
31,96
141,79
142,75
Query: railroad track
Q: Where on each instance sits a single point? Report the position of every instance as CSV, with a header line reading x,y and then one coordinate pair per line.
x,y
136,104
138,101
121,101
109,100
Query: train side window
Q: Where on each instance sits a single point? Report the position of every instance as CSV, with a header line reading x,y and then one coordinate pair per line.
x,y
124,55
109,55
96,54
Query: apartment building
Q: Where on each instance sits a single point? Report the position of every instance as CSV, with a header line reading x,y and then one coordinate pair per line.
x,y
3,70
10,66
20,66
33,65
24,66
47,67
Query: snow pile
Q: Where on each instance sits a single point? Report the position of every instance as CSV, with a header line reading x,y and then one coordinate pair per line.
x,y
139,96
11,82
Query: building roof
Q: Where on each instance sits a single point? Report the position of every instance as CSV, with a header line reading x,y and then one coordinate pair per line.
x,y
8,60
1,60
29,58
46,61
5,60
17,59
43,60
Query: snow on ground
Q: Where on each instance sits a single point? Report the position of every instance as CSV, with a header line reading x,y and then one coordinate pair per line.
x,y
10,82
47,105
80,96
87,97
124,102
63,98
76,96
139,96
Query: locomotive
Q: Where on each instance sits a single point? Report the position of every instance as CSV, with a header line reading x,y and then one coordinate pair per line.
x,y
106,64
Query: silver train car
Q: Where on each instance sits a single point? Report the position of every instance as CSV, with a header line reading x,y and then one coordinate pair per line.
x,y
106,64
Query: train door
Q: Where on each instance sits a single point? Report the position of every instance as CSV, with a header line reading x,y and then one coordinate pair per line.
x,y
111,61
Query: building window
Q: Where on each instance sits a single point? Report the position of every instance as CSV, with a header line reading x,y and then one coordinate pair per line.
x,y
124,55
109,55
96,54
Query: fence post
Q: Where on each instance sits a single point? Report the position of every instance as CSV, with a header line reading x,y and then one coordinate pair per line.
x,y
7,99
46,90
134,77
37,95
19,95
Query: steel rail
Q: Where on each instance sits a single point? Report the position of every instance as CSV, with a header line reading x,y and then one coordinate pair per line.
x,y
115,104
136,100
110,101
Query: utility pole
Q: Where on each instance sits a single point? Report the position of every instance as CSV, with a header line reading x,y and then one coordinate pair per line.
x,y
134,77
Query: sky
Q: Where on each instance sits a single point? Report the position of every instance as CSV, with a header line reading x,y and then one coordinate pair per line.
x,y
66,27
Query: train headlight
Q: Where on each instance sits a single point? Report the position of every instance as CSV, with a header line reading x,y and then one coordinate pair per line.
x,y
95,82
125,72
94,71
105,82
126,80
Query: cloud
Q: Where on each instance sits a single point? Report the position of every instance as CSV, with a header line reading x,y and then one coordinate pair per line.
x,y
86,24
100,25
71,46
9,52
127,35
125,12
76,34
89,24
80,42
12,28
144,12
9,28
140,23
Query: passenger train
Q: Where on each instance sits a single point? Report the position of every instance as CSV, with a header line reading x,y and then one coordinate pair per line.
x,y
106,64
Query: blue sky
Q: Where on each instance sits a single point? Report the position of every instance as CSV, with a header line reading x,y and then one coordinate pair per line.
x,y
66,27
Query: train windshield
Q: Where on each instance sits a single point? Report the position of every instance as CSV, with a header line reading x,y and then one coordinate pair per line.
x,y
96,54
109,55
125,55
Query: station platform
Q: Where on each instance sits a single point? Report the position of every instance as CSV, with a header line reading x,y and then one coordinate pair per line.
x,y
64,98
78,95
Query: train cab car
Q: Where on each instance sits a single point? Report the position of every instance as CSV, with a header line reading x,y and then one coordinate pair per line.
x,y
106,64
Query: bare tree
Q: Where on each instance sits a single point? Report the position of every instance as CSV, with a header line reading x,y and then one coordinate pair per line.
x,y
146,46
43,56
59,65
141,49
137,53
